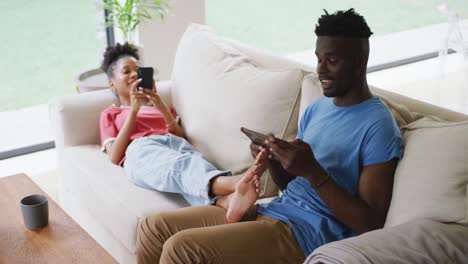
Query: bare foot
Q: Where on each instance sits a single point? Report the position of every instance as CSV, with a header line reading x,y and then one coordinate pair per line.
x,y
243,198
224,185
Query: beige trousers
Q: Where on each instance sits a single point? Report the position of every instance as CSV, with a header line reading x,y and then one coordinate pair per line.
x,y
201,235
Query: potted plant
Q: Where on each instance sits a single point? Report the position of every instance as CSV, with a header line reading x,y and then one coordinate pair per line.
x,y
127,15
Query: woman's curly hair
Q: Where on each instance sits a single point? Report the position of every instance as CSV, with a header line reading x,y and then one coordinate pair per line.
x,y
114,53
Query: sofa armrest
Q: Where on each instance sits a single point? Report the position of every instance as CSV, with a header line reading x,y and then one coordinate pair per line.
x,y
75,118
417,241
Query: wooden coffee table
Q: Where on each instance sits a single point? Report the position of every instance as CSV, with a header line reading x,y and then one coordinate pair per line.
x,y
62,241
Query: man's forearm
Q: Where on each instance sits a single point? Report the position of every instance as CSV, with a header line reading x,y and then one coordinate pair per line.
x,y
279,175
349,209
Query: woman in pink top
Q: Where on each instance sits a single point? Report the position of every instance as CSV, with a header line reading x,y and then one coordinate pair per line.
x,y
144,136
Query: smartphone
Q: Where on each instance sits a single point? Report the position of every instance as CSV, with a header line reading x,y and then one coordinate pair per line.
x,y
256,137
146,76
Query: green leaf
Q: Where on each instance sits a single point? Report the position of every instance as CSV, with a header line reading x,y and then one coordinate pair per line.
x,y
129,15
134,26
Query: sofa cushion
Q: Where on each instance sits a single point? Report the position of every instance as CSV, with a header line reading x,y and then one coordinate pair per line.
x,y
218,89
311,91
103,188
430,180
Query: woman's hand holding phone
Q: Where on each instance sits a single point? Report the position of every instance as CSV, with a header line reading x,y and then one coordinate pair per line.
x,y
154,98
137,99
146,76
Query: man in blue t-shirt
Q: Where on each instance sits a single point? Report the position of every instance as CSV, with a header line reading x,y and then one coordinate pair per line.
x,y
336,177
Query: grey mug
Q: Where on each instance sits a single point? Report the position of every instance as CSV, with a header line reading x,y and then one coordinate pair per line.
x,y
35,209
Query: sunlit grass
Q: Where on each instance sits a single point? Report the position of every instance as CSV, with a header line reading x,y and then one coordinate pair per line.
x,y
45,44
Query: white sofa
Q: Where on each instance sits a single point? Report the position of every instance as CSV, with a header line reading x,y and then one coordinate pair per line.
x,y
98,196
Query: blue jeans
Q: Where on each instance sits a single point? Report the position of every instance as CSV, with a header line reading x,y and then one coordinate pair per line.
x,y
169,163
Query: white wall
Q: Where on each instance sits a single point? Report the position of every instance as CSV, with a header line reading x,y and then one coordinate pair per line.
x,y
160,38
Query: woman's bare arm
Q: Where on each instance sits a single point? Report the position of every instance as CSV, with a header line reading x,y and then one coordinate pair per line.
x,y
172,124
116,149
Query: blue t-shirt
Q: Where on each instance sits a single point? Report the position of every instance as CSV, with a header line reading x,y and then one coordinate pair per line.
x,y
344,140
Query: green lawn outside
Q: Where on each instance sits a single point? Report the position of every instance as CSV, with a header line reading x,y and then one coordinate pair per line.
x,y
47,43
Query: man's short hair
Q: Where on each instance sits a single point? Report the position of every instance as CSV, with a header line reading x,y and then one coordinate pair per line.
x,y
343,23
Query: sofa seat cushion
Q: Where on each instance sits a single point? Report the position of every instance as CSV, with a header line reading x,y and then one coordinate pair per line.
x,y
104,190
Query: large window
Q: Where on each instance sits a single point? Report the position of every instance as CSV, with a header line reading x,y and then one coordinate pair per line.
x,y
45,45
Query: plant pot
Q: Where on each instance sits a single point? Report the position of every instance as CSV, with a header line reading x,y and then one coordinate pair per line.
x,y
91,80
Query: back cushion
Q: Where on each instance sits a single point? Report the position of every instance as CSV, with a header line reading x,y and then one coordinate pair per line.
x,y
431,179
311,91
218,89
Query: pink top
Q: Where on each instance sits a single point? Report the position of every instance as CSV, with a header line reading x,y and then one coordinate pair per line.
x,y
149,121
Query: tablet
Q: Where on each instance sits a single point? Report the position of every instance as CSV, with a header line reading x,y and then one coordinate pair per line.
x,y
256,137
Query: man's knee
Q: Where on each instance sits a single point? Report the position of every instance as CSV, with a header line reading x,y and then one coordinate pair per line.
x,y
181,248
150,238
